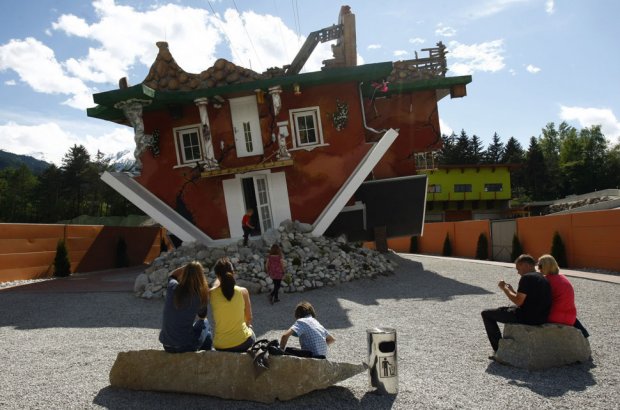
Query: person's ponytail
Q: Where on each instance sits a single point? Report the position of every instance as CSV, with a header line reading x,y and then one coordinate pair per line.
x,y
224,270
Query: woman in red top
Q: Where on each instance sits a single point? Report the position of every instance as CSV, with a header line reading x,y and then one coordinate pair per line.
x,y
563,310
275,268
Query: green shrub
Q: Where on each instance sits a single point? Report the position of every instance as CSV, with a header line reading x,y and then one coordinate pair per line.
x,y
517,249
482,249
558,251
447,246
122,259
413,248
62,264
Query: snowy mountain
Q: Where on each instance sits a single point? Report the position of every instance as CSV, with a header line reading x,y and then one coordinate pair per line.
x,y
121,161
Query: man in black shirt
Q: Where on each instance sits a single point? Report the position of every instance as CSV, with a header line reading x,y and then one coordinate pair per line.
x,y
532,300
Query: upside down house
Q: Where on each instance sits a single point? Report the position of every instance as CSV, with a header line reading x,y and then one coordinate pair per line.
x,y
335,148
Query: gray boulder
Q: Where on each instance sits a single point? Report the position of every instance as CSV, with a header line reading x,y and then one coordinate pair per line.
x,y
140,284
252,287
542,347
226,375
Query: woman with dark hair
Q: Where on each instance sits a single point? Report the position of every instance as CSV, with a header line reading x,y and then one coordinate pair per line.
x,y
232,311
185,327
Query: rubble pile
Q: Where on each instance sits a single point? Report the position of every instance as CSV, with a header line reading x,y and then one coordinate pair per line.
x,y
311,262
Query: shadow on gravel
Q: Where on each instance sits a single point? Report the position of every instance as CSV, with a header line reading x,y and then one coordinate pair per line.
x,y
332,397
547,383
25,310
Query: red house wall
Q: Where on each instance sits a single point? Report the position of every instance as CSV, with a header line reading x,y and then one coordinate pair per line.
x,y
312,181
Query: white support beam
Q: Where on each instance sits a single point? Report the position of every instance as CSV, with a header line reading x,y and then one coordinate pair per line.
x,y
354,181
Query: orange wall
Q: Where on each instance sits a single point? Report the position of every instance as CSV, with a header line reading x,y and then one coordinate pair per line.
x,y
27,250
591,239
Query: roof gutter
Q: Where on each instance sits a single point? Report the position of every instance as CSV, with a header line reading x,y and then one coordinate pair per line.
x,y
364,112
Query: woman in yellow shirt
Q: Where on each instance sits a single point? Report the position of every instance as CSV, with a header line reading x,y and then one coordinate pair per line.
x,y
232,311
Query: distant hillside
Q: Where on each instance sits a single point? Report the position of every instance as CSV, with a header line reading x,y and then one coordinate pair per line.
x,y
10,160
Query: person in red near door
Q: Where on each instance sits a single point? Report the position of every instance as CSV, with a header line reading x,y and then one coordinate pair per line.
x,y
246,225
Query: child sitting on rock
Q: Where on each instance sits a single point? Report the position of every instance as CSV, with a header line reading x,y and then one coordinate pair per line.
x,y
313,337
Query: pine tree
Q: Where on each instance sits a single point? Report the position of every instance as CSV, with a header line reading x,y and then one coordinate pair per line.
x,y
482,248
475,149
62,265
447,154
536,176
495,151
463,149
517,249
447,246
558,251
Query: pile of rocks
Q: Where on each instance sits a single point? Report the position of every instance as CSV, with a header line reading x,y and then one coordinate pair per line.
x,y
311,262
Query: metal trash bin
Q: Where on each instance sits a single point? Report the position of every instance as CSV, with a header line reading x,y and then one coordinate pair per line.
x,y
382,360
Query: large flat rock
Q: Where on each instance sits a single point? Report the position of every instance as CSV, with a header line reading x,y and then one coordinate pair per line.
x,y
226,375
542,347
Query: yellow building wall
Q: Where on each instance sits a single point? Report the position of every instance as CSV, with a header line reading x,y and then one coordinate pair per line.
x,y
447,178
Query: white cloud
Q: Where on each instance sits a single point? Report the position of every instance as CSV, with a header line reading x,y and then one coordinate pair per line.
x,y
550,6
374,46
588,116
10,82
417,40
487,56
125,36
54,140
36,65
444,31
122,37
445,128
400,53
532,69
491,7
512,71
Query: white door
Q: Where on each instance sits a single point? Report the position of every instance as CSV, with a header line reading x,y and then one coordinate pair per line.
x,y
246,126
263,203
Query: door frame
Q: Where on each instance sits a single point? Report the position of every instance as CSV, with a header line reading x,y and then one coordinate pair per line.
x,y
235,202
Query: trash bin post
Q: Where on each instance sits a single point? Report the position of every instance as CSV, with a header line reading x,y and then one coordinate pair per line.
x,y
382,360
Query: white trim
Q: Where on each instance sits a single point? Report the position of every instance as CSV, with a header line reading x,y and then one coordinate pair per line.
x,y
319,127
178,143
156,208
308,147
354,181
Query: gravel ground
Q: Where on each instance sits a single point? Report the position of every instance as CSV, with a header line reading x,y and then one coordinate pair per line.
x,y
58,348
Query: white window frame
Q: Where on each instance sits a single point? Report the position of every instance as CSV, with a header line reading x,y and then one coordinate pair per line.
x,y
296,139
179,146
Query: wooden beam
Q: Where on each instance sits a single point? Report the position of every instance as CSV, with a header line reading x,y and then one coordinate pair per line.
x,y
246,168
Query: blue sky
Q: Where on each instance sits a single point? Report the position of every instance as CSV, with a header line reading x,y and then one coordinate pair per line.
x,y
532,61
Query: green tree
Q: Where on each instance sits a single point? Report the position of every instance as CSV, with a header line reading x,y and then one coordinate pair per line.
x,y
517,249
448,154
482,247
536,176
495,151
550,146
447,246
62,264
49,202
594,156
475,150
558,251
463,149
76,168
16,194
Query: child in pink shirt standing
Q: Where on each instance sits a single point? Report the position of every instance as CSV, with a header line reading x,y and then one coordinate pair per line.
x,y
274,265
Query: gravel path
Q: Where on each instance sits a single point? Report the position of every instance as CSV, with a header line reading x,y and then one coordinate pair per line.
x,y
58,348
